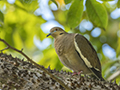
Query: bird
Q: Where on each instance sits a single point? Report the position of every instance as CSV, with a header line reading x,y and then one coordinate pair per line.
x,y
76,52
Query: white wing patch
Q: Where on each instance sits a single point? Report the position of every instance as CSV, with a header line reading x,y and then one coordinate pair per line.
x,y
84,58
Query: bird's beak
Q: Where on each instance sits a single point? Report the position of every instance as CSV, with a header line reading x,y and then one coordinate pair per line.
x,y
49,34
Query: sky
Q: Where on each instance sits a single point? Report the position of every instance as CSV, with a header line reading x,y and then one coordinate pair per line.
x,y
47,14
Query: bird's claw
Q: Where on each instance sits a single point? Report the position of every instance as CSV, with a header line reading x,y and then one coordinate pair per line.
x,y
77,73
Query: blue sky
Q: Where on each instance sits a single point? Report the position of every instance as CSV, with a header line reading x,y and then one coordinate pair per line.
x,y
45,11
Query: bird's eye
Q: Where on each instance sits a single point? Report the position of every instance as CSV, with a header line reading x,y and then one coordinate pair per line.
x,y
56,29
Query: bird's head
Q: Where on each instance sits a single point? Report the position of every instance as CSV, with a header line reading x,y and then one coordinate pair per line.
x,y
56,31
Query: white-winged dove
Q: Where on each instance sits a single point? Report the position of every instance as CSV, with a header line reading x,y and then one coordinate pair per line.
x,y
76,52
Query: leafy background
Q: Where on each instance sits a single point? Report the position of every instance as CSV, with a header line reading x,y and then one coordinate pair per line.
x,y
25,24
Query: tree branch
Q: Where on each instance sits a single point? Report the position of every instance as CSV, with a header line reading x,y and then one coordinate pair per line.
x,y
41,67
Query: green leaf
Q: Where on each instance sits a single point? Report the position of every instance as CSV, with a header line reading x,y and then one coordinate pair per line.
x,y
118,4
1,17
51,59
55,2
26,1
27,5
107,0
75,13
118,48
108,65
97,13
67,1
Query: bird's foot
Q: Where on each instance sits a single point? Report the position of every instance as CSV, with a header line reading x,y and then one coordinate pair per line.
x,y
77,73
74,73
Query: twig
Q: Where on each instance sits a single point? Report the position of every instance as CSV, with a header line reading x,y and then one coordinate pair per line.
x,y
4,49
113,76
42,68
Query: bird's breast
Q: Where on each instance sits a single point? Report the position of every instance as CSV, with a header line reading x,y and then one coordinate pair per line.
x,y
64,45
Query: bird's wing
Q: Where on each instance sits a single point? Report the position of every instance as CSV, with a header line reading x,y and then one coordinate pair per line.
x,y
88,54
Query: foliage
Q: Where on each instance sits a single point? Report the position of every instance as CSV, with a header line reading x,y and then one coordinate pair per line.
x,y
19,25
75,13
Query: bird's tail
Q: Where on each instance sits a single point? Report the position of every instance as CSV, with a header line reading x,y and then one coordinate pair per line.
x,y
97,74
